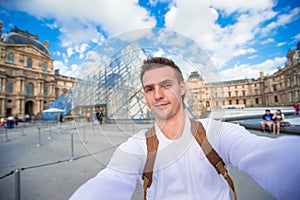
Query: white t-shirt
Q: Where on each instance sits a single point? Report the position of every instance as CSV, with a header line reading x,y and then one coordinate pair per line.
x,y
181,170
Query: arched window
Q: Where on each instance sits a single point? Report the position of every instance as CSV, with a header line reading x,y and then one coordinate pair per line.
x,y
10,58
276,99
29,62
30,88
56,92
45,66
9,87
45,90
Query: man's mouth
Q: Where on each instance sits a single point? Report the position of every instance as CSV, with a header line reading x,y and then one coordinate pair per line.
x,y
161,104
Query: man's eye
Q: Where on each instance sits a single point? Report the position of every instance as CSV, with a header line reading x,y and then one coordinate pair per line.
x,y
166,85
148,89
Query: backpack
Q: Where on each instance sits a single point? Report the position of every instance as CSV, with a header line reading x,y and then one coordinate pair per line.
x,y
199,133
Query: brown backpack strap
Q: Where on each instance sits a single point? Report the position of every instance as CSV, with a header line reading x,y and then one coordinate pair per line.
x,y
200,135
152,146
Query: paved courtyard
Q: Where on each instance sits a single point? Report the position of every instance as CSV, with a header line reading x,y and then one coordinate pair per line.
x,y
51,166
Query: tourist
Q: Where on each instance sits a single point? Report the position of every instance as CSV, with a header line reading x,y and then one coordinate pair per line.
x,y
2,122
296,107
181,168
99,116
267,120
89,117
16,120
278,117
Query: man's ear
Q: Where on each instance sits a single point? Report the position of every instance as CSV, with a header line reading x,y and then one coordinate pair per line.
x,y
182,88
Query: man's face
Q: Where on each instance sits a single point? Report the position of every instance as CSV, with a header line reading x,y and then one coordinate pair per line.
x,y
163,92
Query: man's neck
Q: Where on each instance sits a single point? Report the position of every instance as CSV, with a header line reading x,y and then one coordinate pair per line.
x,y
172,128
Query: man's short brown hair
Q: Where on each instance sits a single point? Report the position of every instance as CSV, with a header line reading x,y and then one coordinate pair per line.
x,y
160,62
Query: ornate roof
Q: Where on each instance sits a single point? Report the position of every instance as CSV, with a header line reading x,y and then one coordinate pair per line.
x,y
194,75
17,38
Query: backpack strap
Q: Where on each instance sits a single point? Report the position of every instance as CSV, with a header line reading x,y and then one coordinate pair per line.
x,y
152,146
199,133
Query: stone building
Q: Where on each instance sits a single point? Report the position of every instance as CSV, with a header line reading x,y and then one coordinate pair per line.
x,y
279,89
27,81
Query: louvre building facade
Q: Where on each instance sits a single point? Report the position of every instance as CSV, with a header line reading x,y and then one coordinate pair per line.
x,y
28,84
27,81
279,89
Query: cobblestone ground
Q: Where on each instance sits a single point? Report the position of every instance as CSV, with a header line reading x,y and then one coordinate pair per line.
x,y
51,166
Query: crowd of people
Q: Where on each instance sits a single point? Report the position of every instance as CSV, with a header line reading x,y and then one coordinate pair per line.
x,y
97,117
13,120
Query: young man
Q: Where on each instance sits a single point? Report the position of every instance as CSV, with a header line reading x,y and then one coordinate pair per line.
x,y
181,169
267,120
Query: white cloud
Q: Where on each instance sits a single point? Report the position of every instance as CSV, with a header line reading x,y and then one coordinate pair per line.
x,y
281,44
297,37
66,70
242,71
198,20
57,53
282,20
79,21
154,2
70,51
230,6
267,41
252,57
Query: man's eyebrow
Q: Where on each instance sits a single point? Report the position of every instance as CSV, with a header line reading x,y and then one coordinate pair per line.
x,y
162,82
167,81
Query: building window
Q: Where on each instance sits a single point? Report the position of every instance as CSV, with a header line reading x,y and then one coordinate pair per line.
x,y
10,58
256,100
237,101
274,88
275,99
30,89
10,72
45,90
245,101
230,102
29,63
65,91
229,94
45,66
56,92
9,87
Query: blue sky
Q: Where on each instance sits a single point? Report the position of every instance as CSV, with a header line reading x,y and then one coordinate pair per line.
x,y
242,38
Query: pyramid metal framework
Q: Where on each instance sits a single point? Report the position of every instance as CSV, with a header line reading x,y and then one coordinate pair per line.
x,y
114,85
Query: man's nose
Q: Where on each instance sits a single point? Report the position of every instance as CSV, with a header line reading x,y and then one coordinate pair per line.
x,y
158,93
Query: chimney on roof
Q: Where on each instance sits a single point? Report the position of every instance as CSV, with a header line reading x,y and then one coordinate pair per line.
x,y
0,30
56,72
46,43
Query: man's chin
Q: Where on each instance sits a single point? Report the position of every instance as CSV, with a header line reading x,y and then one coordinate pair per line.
x,y
160,115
